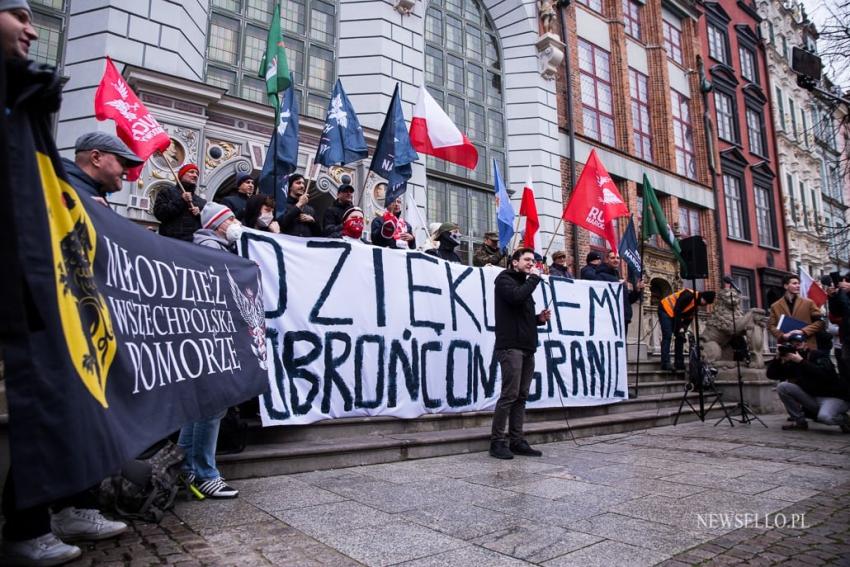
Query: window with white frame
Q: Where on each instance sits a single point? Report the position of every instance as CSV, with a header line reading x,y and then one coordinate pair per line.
x,y
725,109
595,5
689,221
631,18
744,280
49,18
748,64
765,217
792,200
755,131
236,43
717,44
734,200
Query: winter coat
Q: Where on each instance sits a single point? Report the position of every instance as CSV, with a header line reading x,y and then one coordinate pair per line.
x,y
289,223
606,273
332,219
559,271
447,254
175,218
839,306
378,239
486,255
588,272
211,239
815,374
236,202
516,318
804,310
82,181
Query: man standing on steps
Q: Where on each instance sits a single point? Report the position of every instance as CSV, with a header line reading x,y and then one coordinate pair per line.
x,y
516,342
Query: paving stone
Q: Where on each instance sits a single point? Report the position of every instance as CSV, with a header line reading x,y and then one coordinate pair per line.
x,y
466,556
642,533
607,553
329,518
458,519
535,542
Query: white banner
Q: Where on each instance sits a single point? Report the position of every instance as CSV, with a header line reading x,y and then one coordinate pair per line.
x,y
357,330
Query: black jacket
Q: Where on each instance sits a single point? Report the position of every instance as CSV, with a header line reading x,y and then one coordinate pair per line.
x,y
175,218
589,272
447,254
516,319
839,306
289,223
559,271
606,273
815,374
236,202
81,181
379,240
332,219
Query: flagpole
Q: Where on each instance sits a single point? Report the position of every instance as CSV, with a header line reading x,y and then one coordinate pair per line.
x,y
554,234
174,173
640,311
515,236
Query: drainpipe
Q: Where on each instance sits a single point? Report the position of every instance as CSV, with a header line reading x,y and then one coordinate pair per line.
x,y
571,133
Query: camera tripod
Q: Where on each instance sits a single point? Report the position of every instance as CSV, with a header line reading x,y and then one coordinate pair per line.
x,y
700,380
747,414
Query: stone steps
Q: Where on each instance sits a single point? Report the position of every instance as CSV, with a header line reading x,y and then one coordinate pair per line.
x,y
267,459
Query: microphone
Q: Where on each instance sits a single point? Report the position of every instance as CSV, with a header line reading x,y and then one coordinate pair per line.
x,y
731,282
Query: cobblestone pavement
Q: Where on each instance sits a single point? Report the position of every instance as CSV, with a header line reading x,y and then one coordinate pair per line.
x,y
692,494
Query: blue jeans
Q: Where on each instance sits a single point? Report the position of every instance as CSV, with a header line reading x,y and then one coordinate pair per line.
x,y
667,330
198,440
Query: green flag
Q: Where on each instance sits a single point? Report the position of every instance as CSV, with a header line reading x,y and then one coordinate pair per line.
x,y
654,221
274,69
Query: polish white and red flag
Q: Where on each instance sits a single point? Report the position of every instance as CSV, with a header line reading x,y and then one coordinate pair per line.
x,y
528,209
432,132
811,289
136,126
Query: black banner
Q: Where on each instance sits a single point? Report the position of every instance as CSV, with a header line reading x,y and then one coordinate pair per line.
x,y
131,334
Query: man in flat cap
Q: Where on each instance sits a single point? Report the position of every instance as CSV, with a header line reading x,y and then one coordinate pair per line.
x,y
489,254
559,265
100,163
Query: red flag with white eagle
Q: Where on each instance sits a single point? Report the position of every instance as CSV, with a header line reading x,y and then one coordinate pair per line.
x,y
432,132
133,123
596,202
528,209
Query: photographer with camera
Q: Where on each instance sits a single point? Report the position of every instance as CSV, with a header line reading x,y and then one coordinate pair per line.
x,y
839,312
809,385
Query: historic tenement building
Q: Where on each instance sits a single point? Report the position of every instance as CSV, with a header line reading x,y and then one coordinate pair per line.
x,y
803,173
636,98
752,235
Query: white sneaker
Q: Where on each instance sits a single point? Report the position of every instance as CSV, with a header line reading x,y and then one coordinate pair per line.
x,y
217,488
42,551
75,524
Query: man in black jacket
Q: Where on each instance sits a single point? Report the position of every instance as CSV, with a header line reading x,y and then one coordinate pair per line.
x,y
810,385
237,200
178,208
593,262
610,272
448,240
298,218
516,342
332,221
100,163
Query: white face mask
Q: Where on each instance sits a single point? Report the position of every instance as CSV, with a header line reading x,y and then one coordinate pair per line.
x,y
266,219
234,231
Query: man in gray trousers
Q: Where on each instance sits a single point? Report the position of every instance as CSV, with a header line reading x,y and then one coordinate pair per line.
x,y
516,342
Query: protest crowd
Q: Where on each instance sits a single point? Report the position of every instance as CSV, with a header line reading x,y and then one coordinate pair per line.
x,y
42,532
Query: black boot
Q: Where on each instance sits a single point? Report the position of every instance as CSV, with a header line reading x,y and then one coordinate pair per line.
x,y
522,447
499,449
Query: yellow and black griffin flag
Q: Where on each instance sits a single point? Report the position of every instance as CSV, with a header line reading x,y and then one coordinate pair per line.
x,y
126,335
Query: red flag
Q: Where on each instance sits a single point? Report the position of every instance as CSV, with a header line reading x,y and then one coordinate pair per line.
x,y
595,201
528,209
133,123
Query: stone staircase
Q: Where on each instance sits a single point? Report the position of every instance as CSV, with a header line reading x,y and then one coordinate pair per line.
x,y
361,441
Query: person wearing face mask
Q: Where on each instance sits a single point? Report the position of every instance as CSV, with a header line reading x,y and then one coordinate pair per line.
x,y
333,215
448,239
259,214
353,224
178,208
100,163
219,228
391,230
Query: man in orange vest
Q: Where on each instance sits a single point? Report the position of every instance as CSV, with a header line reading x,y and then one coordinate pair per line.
x,y
675,314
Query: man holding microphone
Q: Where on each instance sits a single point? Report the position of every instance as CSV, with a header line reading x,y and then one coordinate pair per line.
x,y
516,342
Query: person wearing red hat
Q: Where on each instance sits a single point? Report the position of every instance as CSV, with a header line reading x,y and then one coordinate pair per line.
x,y
178,208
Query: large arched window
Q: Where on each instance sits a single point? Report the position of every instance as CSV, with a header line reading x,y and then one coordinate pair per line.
x,y
236,43
463,72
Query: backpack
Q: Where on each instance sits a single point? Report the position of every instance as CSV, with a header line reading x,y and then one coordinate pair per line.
x,y
146,487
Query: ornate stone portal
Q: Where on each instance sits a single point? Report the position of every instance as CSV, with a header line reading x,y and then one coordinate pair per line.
x,y
719,332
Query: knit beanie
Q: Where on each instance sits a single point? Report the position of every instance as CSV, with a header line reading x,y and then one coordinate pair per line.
x,y
213,214
183,170
593,256
6,5
350,211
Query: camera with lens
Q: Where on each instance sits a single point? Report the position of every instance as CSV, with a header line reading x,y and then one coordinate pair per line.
x,y
785,349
